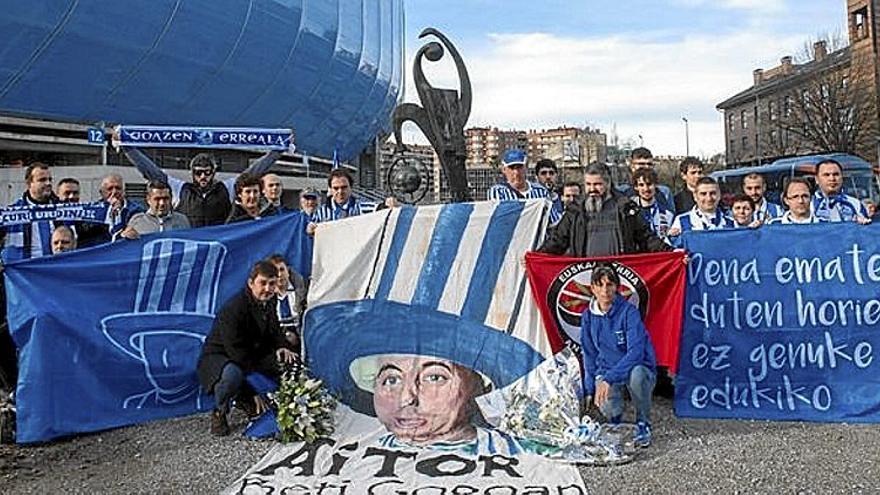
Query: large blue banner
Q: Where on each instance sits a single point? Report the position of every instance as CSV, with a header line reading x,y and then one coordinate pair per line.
x,y
110,336
781,323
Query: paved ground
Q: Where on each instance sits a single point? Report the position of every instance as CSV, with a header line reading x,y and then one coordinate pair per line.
x,y
688,456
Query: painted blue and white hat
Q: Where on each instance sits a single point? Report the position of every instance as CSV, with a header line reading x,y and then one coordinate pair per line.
x,y
440,281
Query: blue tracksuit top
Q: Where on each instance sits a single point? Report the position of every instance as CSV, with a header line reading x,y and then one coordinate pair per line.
x,y
614,344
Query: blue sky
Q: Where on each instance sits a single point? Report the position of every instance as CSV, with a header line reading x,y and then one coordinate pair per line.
x,y
639,64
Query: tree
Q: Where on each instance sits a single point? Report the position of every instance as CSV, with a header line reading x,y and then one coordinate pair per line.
x,y
831,107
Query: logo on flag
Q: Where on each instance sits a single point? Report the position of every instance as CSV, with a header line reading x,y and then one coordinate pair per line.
x,y
570,295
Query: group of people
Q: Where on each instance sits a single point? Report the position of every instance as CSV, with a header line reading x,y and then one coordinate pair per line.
x,y
259,326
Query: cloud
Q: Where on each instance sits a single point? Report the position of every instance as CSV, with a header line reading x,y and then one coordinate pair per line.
x,y
643,84
749,5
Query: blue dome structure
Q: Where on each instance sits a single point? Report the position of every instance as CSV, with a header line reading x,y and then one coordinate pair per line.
x,y
329,69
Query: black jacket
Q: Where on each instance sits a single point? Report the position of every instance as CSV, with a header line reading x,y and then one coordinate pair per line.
x,y
244,333
569,236
239,214
210,206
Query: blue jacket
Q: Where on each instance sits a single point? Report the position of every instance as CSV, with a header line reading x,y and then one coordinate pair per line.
x,y
613,344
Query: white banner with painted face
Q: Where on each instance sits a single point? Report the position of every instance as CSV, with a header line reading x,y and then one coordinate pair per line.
x,y
414,314
359,459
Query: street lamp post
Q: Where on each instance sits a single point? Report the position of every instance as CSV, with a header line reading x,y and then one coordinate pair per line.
x,y
687,138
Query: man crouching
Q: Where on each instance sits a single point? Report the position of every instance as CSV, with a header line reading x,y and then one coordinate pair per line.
x,y
245,338
617,353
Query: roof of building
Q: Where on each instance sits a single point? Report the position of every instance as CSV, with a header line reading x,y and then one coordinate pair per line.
x,y
798,73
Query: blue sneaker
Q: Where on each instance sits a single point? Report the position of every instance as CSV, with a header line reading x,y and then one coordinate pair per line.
x,y
642,437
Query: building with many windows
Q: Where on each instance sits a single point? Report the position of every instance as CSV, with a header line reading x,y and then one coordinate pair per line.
x,y
825,99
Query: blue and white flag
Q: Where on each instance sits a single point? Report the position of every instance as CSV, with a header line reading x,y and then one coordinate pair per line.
x,y
433,295
110,336
205,137
72,212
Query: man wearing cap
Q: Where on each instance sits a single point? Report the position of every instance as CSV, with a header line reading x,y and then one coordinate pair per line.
x,y
246,338
516,187
159,217
830,203
308,202
204,200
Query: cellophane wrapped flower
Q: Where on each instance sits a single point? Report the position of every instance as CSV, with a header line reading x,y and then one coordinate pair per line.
x,y
543,410
305,408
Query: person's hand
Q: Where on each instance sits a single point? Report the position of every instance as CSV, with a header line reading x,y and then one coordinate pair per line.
x,y
261,405
602,391
687,257
285,355
756,223
310,228
861,220
130,234
673,232
391,202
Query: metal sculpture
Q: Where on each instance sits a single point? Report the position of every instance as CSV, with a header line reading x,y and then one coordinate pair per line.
x,y
442,116
409,179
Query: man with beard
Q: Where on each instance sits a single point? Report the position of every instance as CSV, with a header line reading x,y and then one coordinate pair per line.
x,y
602,224
32,240
754,187
204,200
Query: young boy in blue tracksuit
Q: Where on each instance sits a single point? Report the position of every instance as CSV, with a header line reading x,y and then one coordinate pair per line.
x,y
617,353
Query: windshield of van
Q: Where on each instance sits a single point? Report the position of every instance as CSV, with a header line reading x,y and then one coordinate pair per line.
x,y
861,184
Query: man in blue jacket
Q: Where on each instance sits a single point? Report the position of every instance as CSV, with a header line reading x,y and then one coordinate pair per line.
x,y
617,353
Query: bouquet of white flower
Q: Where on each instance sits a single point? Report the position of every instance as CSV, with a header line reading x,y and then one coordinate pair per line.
x,y
305,408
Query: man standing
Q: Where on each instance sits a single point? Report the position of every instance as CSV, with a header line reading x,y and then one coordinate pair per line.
x,y
602,224
63,239
247,202
617,354
245,338
34,239
754,187
204,200
656,215
830,203
342,203
546,173
119,212
272,190
691,170
308,203
68,190
796,196
571,192
515,186
705,215
159,217
641,159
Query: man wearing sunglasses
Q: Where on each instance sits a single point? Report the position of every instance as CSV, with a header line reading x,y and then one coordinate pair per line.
x,y
204,200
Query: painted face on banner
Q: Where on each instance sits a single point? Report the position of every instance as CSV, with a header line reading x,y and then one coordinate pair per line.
x,y
423,400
